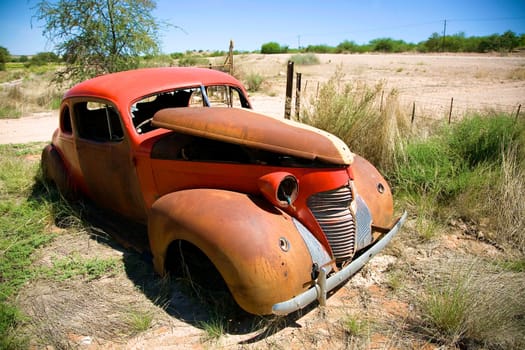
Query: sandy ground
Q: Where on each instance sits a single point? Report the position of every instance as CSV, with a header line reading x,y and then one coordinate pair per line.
x,y
474,82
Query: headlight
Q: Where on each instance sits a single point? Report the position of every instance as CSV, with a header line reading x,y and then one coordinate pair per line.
x,y
280,188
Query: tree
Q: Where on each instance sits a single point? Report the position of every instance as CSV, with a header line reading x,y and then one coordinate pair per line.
x,y
98,36
509,41
273,47
43,58
382,45
4,57
434,43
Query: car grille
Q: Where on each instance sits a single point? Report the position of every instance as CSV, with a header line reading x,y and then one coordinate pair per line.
x,y
332,211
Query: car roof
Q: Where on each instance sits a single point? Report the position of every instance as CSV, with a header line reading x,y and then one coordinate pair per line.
x,y
129,85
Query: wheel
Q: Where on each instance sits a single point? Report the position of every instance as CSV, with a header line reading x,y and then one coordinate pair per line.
x,y
54,171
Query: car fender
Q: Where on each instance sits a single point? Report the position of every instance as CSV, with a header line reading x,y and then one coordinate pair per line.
x,y
54,170
256,247
375,191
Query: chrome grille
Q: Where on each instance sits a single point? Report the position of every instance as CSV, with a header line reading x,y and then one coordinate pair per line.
x,y
332,211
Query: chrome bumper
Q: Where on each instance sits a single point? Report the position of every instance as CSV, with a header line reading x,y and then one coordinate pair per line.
x,y
323,285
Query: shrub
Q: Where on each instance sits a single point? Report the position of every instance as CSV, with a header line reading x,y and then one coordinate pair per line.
x,y
43,58
320,48
273,47
480,139
347,46
426,168
305,59
254,81
475,169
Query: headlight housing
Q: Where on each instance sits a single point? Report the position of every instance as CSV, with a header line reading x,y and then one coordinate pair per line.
x,y
280,188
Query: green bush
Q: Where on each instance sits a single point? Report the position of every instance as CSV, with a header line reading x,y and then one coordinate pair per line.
x,y
43,58
320,48
273,47
478,139
427,167
447,162
351,47
474,169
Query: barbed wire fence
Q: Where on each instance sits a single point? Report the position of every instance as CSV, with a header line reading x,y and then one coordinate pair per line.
x,y
420,110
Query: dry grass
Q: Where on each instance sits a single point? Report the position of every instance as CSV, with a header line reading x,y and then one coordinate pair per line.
x,y
30,93
517,74
469,303
107,309
508,203
369,121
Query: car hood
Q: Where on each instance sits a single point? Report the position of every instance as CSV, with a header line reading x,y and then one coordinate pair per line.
x,y
244,127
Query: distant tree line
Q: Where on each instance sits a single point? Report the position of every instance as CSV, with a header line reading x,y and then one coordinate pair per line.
x,y
39,59
506,42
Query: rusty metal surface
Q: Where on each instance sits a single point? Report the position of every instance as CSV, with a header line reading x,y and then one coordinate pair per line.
x,y
251,129
379,200
242,236
110,177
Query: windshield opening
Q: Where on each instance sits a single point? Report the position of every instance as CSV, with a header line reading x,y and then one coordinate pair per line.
x,y
143,110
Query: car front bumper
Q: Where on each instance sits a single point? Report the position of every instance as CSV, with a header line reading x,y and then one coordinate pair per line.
x,y
323,285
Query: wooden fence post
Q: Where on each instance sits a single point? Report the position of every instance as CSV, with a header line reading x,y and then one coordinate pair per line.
x,y
450,111
518,112
413,113
289,85
297,95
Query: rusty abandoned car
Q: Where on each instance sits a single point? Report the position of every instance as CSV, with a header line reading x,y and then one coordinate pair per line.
x,y
285,212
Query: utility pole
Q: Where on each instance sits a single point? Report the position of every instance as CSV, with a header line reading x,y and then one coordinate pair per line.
x,y
444,35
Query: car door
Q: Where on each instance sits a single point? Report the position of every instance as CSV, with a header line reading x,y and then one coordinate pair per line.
x,y
105,160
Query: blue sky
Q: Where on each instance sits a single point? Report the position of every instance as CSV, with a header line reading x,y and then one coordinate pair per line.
x,y
210,24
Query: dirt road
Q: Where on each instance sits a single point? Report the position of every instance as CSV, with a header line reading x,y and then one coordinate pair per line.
x,y
33,128
39,127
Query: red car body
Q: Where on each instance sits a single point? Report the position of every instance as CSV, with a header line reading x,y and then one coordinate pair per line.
x,y
284,211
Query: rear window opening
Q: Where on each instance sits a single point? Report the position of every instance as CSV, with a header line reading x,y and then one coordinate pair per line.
x,y
98,122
